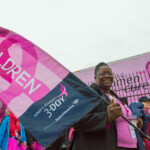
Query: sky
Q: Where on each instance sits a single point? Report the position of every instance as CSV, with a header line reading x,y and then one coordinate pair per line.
x,y
81,33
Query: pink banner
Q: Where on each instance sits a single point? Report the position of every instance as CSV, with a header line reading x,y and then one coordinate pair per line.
x,y
21,80
43,94
131,77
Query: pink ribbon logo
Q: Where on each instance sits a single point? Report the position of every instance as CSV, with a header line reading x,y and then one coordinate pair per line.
x,y
63,90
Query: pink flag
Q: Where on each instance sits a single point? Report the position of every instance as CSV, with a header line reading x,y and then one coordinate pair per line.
x,y
44,95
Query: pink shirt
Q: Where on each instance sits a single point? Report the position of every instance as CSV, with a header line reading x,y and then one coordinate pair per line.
x,y
124,136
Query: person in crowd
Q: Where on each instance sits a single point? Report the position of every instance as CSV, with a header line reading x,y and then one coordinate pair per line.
x,y
103,128
12,134
146,102
32,143
37,146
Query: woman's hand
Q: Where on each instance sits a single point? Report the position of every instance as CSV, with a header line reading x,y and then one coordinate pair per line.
x,y
139,123
114,111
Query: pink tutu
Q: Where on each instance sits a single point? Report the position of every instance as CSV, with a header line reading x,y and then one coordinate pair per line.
x,y
13,145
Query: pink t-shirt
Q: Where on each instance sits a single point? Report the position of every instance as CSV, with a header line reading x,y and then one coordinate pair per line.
x,y
126,136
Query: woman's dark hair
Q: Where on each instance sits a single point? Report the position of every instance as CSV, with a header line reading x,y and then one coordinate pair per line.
x,y
98,66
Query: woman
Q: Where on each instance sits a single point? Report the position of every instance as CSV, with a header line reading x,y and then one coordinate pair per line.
x,y
103,128
12,134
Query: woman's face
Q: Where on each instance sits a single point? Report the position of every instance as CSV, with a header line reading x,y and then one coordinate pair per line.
x,y
104,77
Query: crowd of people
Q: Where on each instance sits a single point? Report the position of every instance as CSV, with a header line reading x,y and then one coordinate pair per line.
x,y
103,128
13,136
